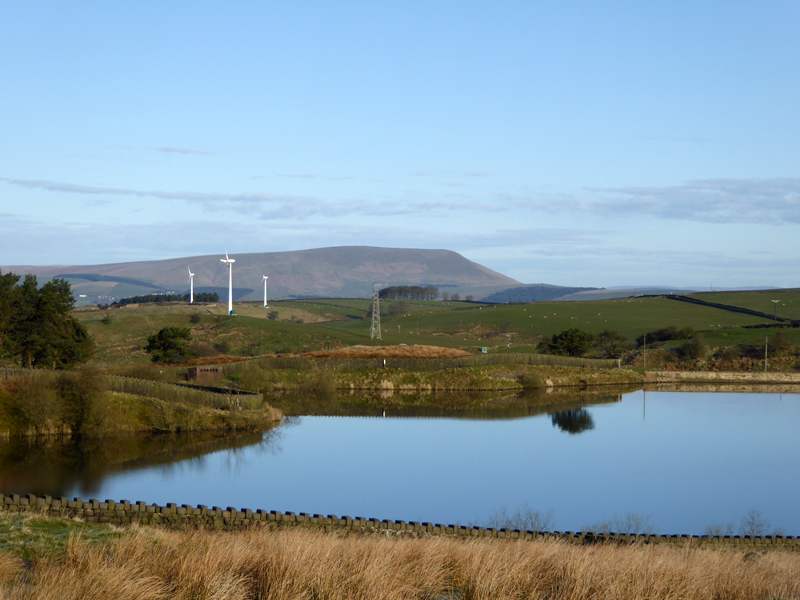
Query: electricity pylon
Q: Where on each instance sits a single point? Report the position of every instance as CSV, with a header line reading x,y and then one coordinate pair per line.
x,y
375,330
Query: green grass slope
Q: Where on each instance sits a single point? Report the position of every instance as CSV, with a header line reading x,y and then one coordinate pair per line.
x,y
298,326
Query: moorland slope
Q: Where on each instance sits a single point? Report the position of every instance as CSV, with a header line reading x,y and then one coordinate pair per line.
x,y
346,271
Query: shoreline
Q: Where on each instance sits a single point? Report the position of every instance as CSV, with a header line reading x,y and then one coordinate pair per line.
x,y
751,377
172,516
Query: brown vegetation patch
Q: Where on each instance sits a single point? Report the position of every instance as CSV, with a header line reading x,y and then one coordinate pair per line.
x,y
231,333
153,564
415,351
215,360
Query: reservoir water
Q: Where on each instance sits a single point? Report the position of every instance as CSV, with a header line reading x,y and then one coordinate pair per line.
x,y
678,461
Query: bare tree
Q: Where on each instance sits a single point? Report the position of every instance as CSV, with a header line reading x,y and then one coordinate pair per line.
x,y
754,523
631,522
719,529
524,519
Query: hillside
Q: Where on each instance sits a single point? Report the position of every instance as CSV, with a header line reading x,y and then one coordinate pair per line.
x,y
346,271
538,292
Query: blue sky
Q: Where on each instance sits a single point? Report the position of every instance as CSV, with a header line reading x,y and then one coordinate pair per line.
x,y
573,143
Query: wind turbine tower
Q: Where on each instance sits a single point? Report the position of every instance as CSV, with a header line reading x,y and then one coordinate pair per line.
x,y
229,262
265,291
191,286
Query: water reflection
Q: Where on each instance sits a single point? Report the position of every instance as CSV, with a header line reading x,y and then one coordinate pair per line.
x,y
573,421
685,464
458,405
53,465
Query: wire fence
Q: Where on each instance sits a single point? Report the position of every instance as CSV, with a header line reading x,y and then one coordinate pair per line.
x,y
212,397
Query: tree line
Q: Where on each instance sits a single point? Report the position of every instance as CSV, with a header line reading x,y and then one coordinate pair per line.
x,y
409,292
163,298
36,327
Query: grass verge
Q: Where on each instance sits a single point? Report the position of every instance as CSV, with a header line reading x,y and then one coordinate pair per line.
x,y
152,563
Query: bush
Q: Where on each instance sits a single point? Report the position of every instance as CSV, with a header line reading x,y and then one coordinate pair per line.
x,y
571,342
612,343
666,334
256,379
728,359
318,381
695,348
531,381
167,416
169,344
31,406
223,346
81,398
780,344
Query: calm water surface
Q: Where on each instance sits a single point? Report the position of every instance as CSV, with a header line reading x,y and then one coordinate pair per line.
x,y
686,460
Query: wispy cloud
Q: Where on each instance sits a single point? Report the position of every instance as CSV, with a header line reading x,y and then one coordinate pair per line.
x,y
265,205
765,201
711,200
170,149
448,173
299,175
314,176
203,197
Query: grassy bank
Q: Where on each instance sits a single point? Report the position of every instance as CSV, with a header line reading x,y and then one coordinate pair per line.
x,y
83,403
43,558
499,377
265,378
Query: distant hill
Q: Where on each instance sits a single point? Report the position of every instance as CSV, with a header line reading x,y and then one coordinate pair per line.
x,y
346,271
537,292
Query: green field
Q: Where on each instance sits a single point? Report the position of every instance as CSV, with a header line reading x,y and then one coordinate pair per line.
x,y
788,305
295,326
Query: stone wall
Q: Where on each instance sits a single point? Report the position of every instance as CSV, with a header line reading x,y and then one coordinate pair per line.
x,y
230,519
752,377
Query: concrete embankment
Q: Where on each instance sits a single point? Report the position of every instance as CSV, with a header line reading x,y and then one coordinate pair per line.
x,y
232,519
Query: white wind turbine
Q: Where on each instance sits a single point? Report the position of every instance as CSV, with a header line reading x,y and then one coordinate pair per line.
x,y
265,291
191,286
229,262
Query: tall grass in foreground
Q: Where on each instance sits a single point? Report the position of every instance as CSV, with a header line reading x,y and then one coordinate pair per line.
x,y
292,564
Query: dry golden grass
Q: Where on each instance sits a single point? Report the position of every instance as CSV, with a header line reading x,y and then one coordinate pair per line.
x,y
413,351
150,564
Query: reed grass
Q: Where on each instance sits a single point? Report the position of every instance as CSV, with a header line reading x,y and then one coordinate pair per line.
x,y
151,563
